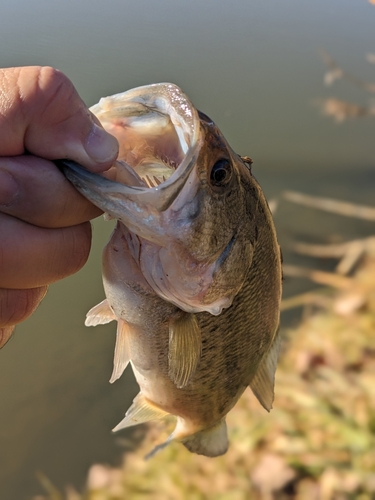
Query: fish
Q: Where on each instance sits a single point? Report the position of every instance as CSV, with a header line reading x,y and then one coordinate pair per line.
x,y
192,272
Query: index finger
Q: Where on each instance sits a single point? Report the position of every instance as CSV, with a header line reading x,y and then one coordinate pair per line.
x,y
35,191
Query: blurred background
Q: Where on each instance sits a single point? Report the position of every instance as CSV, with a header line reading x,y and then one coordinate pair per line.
x,y
255,67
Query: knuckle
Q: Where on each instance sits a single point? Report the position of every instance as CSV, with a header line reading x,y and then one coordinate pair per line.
x,y
56,88
53,81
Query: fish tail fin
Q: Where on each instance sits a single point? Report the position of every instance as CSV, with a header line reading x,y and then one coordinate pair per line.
x,y
211,442
141,411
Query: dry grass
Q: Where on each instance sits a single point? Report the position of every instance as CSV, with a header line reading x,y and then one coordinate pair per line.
x,y
338,109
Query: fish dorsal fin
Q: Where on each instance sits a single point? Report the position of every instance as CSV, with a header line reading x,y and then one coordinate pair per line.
x,y
211,442
122,353
185,347
263,382
140,411
100,314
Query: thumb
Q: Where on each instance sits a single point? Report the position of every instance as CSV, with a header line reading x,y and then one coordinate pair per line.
x,y
45,116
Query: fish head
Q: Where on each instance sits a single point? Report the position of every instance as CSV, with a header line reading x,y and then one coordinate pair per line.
x,y
209,229
187,198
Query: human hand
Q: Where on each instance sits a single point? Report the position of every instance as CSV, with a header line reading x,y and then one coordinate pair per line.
x,y
44,230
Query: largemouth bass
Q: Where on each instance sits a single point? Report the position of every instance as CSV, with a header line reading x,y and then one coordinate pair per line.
x,y
192,272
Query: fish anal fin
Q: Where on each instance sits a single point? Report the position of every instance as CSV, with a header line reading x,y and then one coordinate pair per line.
x,y
122,352
211,442
263,381
185,347
100,314
142,410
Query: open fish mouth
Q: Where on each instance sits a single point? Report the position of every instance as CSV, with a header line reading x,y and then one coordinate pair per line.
x,y
156,126
158,132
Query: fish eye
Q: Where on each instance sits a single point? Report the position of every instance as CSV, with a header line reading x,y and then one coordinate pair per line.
x,y
221,173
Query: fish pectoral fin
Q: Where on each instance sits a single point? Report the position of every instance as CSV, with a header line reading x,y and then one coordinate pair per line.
x,y
211,442
185,347
122,351
100,314
263,382
140,411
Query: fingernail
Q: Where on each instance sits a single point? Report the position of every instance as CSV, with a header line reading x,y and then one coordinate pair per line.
x,y
8,188
101,146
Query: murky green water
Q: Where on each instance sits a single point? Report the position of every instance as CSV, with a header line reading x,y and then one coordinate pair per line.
x,y
253,66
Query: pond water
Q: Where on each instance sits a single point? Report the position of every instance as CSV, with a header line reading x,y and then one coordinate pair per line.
x,y
251,65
